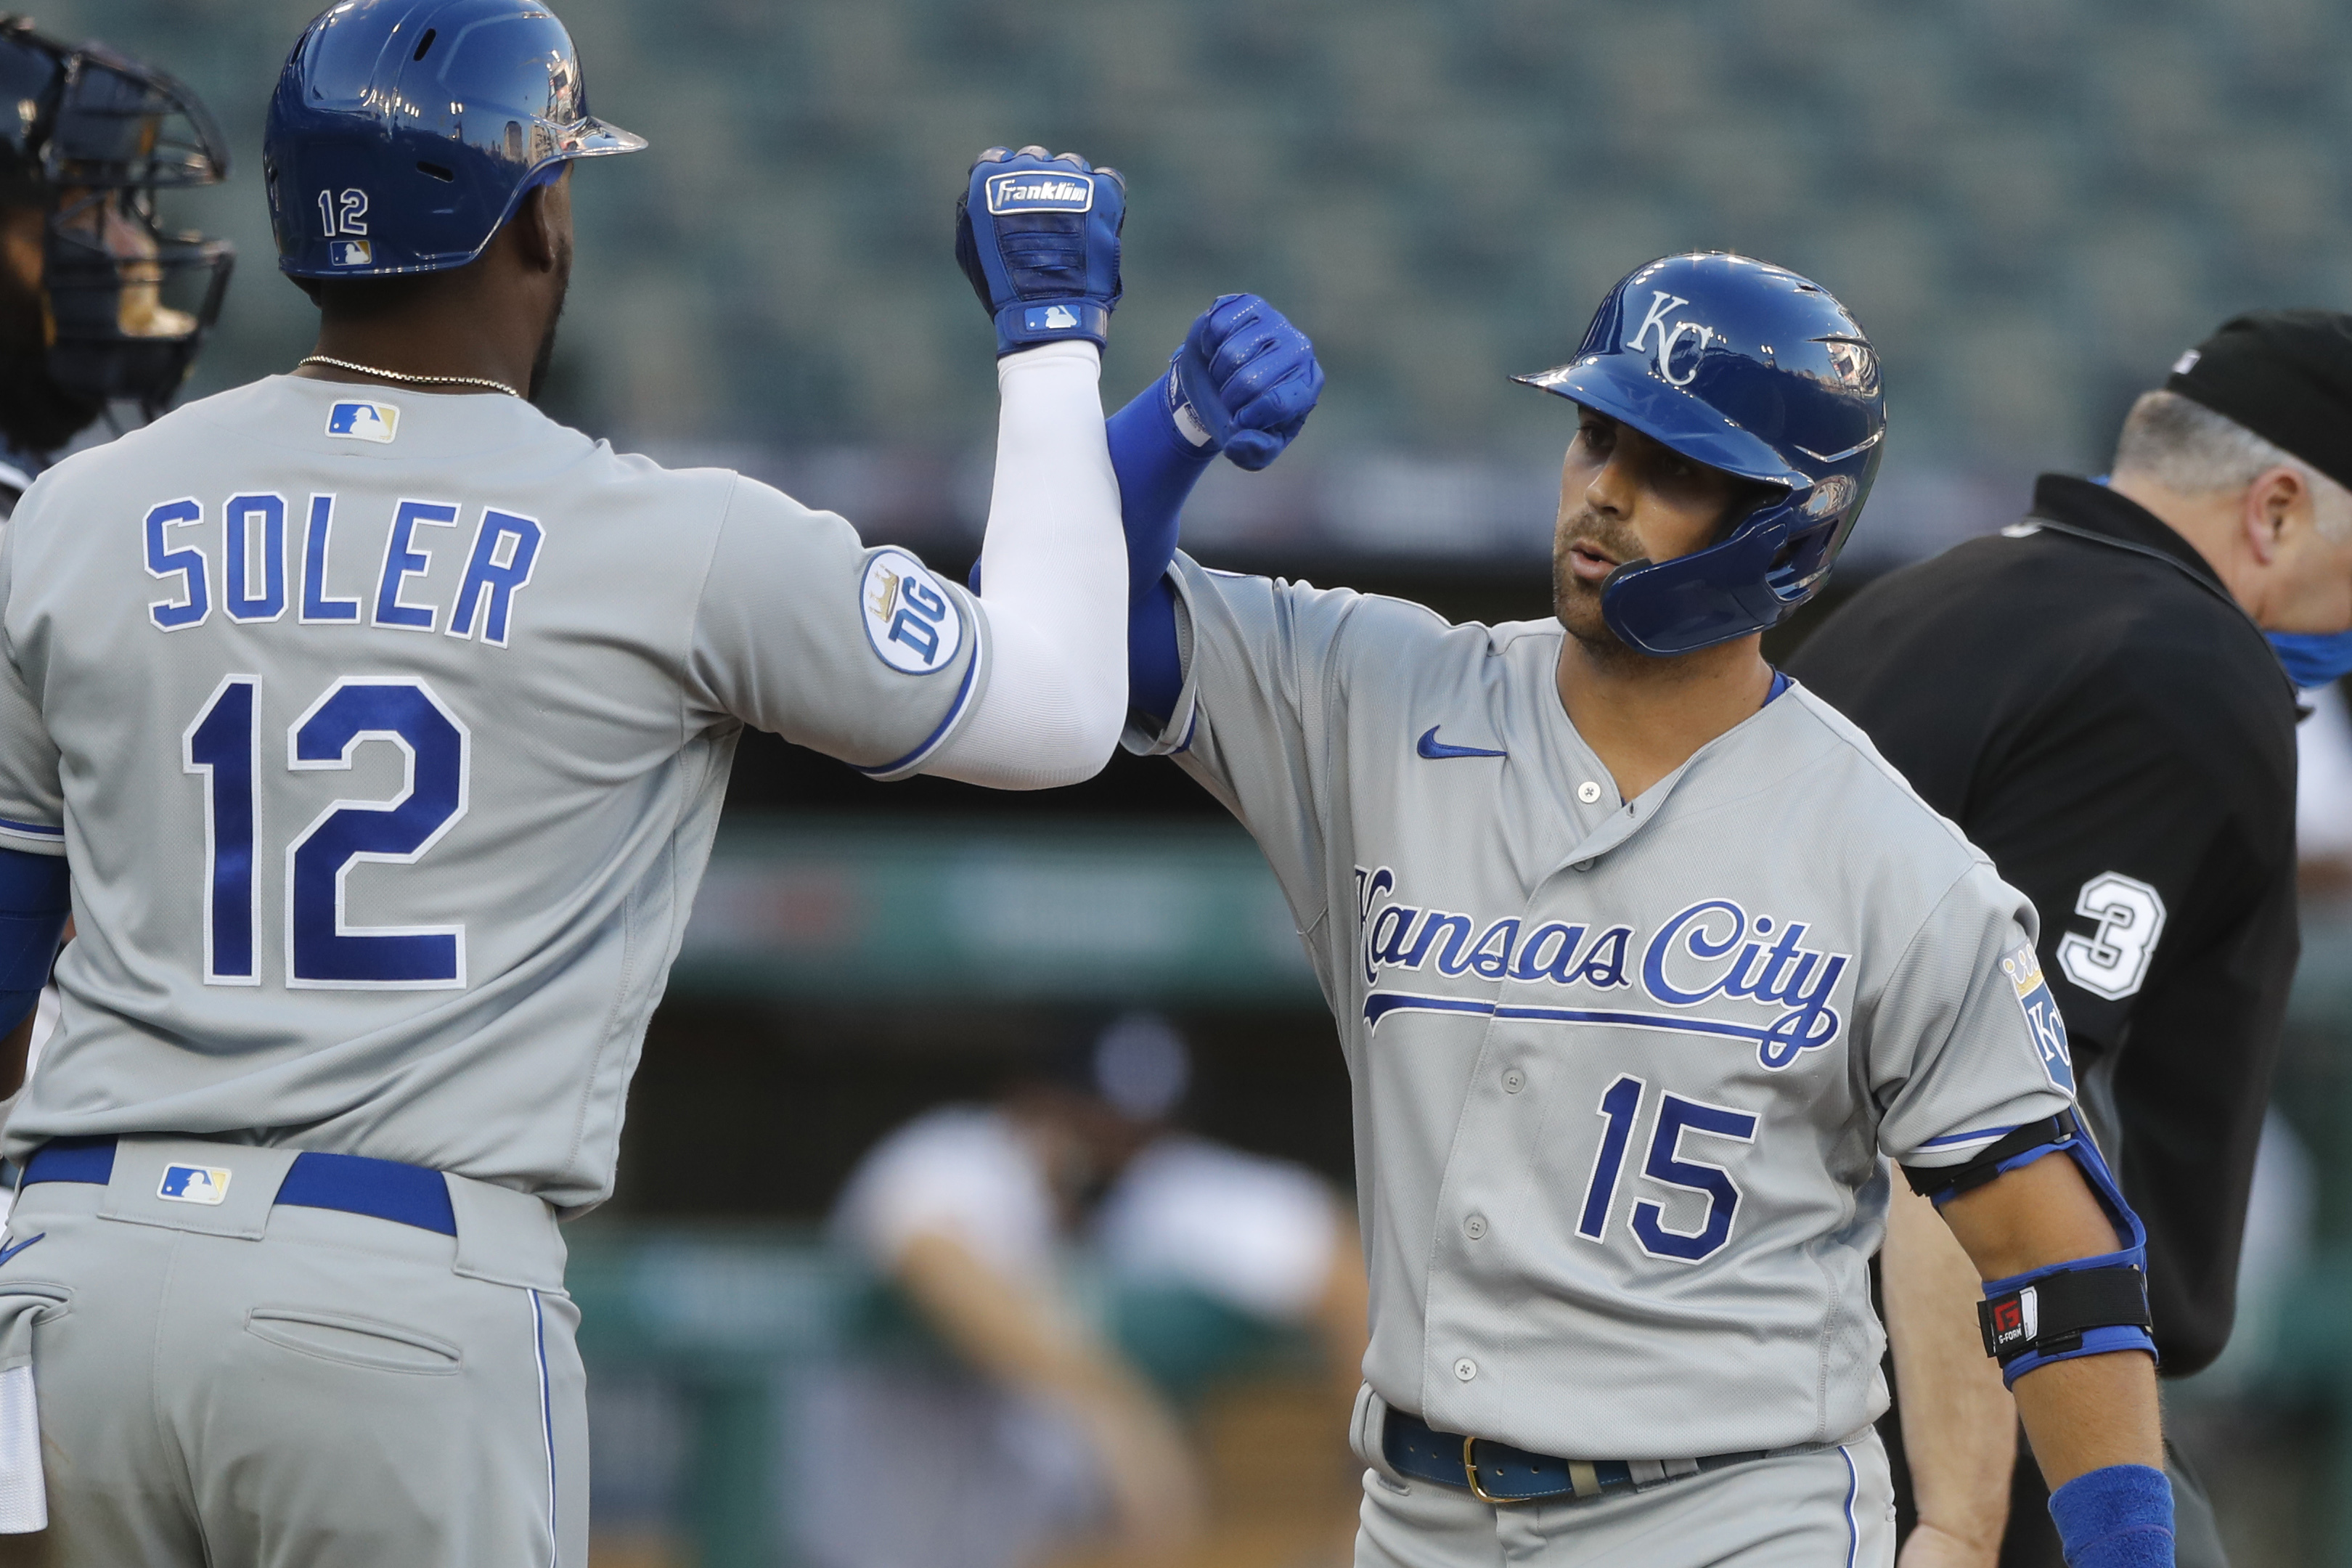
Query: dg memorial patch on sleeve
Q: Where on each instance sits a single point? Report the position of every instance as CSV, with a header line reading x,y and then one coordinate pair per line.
x,y
910,618
2041,1015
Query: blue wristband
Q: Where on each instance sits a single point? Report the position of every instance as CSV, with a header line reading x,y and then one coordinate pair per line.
x,y
2119,1517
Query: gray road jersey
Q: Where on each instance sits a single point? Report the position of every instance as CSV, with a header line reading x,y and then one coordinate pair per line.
x,y
386,733
1623,1072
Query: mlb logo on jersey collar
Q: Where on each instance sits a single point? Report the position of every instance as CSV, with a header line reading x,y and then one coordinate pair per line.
x,y
361,421
205,1185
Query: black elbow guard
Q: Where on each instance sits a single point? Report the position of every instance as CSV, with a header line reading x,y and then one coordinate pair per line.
x,y
2085,1306
2093,1307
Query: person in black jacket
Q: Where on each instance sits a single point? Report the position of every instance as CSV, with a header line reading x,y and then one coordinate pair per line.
x,y
2091,696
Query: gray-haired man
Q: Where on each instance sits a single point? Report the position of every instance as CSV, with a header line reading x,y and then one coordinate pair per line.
x,y
2091,697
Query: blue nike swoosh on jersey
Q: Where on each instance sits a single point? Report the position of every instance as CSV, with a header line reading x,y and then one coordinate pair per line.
x,y
8,1252
1437,750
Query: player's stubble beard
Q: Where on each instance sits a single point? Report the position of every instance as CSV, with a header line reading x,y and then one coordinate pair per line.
x,y
1576,603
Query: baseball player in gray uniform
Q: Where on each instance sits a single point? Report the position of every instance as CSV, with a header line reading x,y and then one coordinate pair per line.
x,y
384,724
1645,968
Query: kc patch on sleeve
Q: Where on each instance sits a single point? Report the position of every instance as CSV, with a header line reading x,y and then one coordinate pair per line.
x,y
910,618
2041,1015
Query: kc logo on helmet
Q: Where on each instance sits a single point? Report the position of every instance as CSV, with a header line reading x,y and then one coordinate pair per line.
x,y
1039,191
1669,334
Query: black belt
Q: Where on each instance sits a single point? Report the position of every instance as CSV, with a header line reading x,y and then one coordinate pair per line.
x,y
351,1184
1497,1472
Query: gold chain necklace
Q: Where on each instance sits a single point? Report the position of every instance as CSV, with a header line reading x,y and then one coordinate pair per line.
x,y
414,379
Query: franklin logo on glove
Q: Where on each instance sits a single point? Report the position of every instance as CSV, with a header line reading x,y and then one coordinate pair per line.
x,y
1032,193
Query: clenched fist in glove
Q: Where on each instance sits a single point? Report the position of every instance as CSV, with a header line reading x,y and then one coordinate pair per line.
x,y
1037,234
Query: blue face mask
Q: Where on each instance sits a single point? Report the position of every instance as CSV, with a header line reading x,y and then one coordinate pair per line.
x,y
2313,659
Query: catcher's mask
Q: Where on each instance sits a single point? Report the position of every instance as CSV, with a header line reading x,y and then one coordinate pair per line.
x,y
92,138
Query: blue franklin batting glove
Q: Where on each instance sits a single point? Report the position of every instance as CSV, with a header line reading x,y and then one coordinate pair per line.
x,y
1038,236
1244,381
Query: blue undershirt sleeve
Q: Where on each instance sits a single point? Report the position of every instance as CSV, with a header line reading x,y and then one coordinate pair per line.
x,y
35,896
1157,469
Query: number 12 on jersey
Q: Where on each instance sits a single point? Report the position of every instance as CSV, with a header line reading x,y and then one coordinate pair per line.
x,y
323,950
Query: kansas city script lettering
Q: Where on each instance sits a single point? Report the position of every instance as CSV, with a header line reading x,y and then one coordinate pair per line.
x,y
1711,949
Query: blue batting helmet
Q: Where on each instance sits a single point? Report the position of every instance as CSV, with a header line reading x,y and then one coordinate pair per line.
x,y
1747,368
404,132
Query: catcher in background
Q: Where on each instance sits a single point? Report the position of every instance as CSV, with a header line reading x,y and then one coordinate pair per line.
x,y
86,268
99,301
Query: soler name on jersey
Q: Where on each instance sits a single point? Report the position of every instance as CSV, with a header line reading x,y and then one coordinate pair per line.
x,y
239,556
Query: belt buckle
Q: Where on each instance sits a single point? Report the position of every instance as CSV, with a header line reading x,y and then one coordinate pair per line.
x,y
1470,1470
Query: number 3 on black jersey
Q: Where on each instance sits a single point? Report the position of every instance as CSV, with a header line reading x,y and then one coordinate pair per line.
x,y
322,951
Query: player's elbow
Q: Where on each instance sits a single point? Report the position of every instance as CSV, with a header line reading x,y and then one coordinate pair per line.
x,y
1051,712
1043,740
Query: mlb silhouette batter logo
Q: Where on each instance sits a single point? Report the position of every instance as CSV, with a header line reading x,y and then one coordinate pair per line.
x,y
364,421
193,1183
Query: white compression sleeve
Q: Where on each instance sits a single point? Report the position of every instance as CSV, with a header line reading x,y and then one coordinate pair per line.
x,y
1053,585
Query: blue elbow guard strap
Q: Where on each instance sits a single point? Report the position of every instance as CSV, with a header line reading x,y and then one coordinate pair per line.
x,y
2119,1517
2084,1306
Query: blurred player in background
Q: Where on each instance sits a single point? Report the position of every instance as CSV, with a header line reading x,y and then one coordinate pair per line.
x,y
2090,696
1050,1426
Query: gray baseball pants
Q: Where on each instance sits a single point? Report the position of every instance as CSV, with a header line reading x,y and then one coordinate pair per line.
x,y
1824,1507
243,1385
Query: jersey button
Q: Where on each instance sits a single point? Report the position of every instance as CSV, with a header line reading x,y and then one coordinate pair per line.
x,y
1587,792
1474,1227
1514,1082
1466,1369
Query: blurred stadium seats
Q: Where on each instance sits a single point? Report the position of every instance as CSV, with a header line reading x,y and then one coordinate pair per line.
x,y
2033,204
